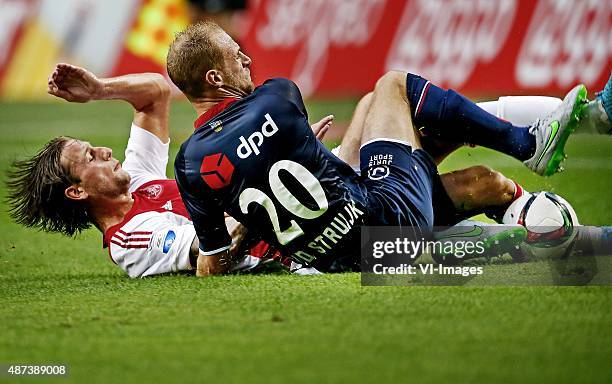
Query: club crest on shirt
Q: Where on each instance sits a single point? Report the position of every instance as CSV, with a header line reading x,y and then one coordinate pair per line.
x,y
216,125
153,191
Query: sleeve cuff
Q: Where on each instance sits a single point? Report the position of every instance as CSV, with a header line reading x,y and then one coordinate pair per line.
x,y
209,253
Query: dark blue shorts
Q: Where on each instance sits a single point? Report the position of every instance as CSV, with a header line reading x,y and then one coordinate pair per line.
x,y
401,184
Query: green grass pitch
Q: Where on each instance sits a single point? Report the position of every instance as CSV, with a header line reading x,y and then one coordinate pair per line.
x,y
63,302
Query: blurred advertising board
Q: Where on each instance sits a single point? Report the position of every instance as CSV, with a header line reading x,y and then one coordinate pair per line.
x,y
109,37
329,47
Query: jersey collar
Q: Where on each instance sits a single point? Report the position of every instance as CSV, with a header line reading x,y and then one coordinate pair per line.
x,y
213,111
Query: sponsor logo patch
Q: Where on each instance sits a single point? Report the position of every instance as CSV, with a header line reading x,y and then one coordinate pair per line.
x,y
378,172
251,144
379,166
170,236
216,170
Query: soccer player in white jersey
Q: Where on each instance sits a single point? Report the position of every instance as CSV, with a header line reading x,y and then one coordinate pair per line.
x,y
135,206
70,185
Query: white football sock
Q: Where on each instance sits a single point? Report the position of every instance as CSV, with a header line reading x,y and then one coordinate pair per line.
x,y
521,110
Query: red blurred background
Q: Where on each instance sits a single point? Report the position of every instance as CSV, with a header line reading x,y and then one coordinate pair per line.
x,y
329,47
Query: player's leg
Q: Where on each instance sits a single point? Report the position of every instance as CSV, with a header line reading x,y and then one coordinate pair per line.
x,y
450,116
592,240
472,190
597,114
351,141
479,188
396,172
521,110
462,194
518,110
349,149
389,115
464,187
525,110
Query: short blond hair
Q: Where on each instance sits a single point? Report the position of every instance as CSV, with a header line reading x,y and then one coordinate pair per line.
x,y
194,52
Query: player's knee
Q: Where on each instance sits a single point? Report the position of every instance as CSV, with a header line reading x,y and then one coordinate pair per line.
x,y
496,180
489,180
391,81
453,101
366,99
481,173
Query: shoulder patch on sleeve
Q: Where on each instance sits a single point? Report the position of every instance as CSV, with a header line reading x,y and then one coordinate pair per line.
x,y
163,240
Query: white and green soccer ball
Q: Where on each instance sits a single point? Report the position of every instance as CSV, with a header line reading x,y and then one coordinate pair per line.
x,y
550,222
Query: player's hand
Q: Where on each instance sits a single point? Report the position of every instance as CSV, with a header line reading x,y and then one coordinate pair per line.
x,y
74,84
321,127
213,265
238,234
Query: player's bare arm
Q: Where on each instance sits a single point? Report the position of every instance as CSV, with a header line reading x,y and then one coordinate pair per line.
x,y
148,93
216,264
237,234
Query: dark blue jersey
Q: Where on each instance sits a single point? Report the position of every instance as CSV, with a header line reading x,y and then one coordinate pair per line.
x,y
259,161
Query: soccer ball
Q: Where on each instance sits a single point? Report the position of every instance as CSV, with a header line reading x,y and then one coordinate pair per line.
x,y
550,222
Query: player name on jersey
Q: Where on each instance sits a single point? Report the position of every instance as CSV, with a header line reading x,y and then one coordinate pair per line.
x,y
340,225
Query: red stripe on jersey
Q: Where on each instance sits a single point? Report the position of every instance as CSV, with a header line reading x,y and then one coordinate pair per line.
x,y
214,110
134,233
130,245
132,239
145,203
118,236
422,98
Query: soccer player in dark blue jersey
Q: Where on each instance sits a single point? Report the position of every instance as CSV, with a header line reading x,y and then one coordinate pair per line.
x,y
254,155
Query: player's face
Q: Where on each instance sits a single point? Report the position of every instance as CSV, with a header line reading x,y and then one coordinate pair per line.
x,y
237,72
100,174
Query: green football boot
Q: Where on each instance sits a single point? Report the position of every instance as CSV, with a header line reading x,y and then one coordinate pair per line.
x,y
552,132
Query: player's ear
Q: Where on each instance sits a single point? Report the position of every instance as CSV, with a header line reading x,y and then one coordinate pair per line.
x,y
213,77
74,192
